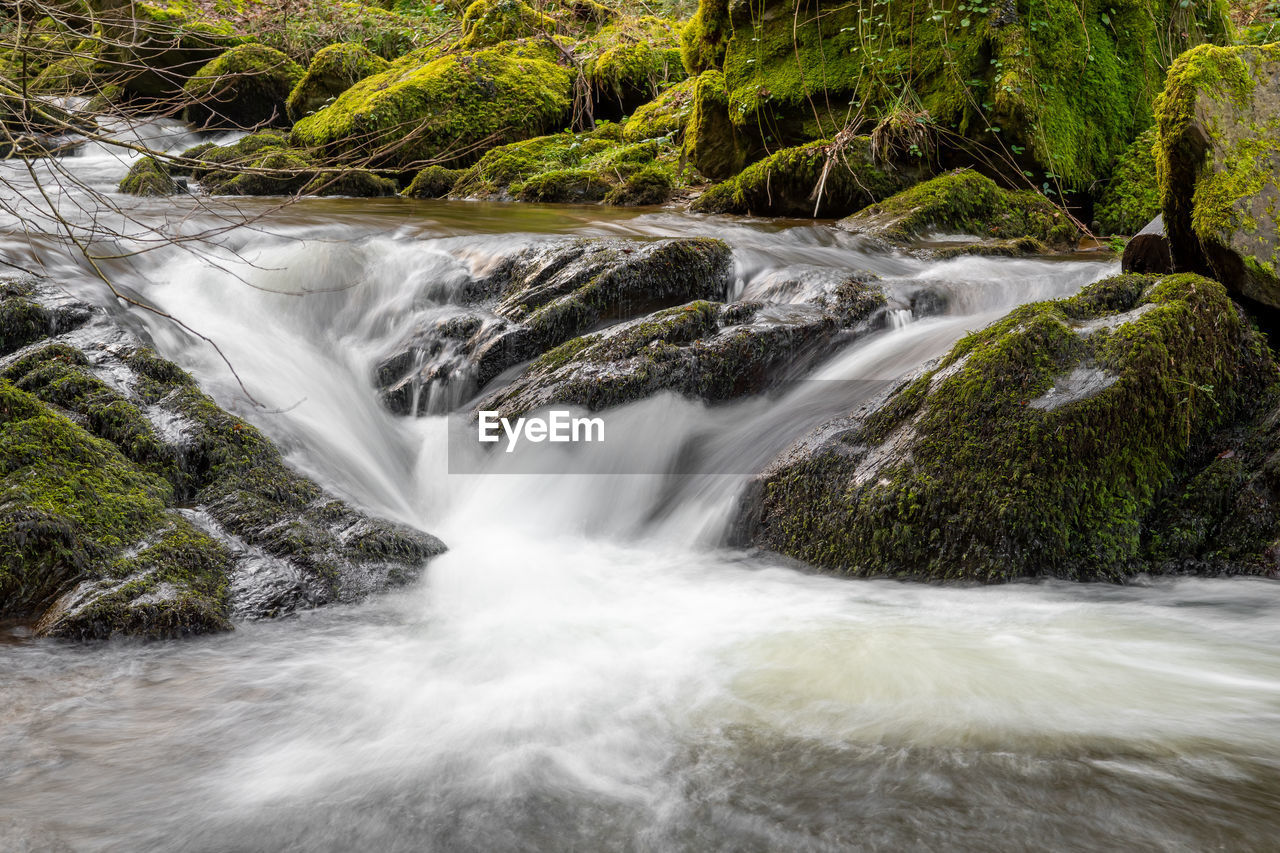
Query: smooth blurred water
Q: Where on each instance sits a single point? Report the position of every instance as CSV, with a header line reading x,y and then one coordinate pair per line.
x,y
589,668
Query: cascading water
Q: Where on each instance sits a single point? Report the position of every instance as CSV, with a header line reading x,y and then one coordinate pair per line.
x,y
589,667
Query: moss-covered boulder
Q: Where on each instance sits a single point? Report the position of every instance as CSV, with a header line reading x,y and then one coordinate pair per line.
x,y
819,179
432,182
964,202
1131,197
1218,161
705,350
257,164
1058,87
667,115
629,62
149,177
540,297
1039,446
489,22
148,51
245,87
332,71
448,110
575,167
712,142
354,183
132,505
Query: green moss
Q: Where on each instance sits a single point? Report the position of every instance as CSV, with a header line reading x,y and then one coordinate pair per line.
x,y
704,38
245,87
664,116
67,499
1216,151
629,62
334,70
972,472
1059,87
564,185
148,177
964,202
1131,197
651,184
355,183
433,182
712,143
787,183
258,164
447,109
489,22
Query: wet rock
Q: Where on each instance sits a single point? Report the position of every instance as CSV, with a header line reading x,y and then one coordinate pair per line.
x,y
543,296
1148,250
101,443
1218,158
1038,446
706,350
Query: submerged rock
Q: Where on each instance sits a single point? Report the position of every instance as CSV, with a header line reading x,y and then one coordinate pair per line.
x,y
246,87
1038,446
101,443
967,203
1219,154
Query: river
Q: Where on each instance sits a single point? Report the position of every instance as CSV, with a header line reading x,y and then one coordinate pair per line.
x,y
590,667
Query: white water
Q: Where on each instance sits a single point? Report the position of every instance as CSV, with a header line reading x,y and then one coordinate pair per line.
x,y
588,668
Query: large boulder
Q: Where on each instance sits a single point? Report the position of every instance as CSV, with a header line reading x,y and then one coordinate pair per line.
x,y
712,143
132,505
1059,89
332,71
964,202
1219,155
448,109
1039,446
245,87
818,179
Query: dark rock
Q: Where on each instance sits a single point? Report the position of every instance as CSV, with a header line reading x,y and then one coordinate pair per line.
x,y
1148,250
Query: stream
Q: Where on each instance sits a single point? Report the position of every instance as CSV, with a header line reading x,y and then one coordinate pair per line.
x,y
590,667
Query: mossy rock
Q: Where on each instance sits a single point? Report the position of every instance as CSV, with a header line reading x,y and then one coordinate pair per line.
x,y
791,183
257,164
665,116
448,109
574,167
629,62
1037,447
245,87
489,22
1057,88
149,51
712,142
1131,197
354,183
433,182
964,202
149,177
1218,155
652,184
334,70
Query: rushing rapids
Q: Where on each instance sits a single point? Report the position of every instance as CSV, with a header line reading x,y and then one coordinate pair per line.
x,y
590,666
